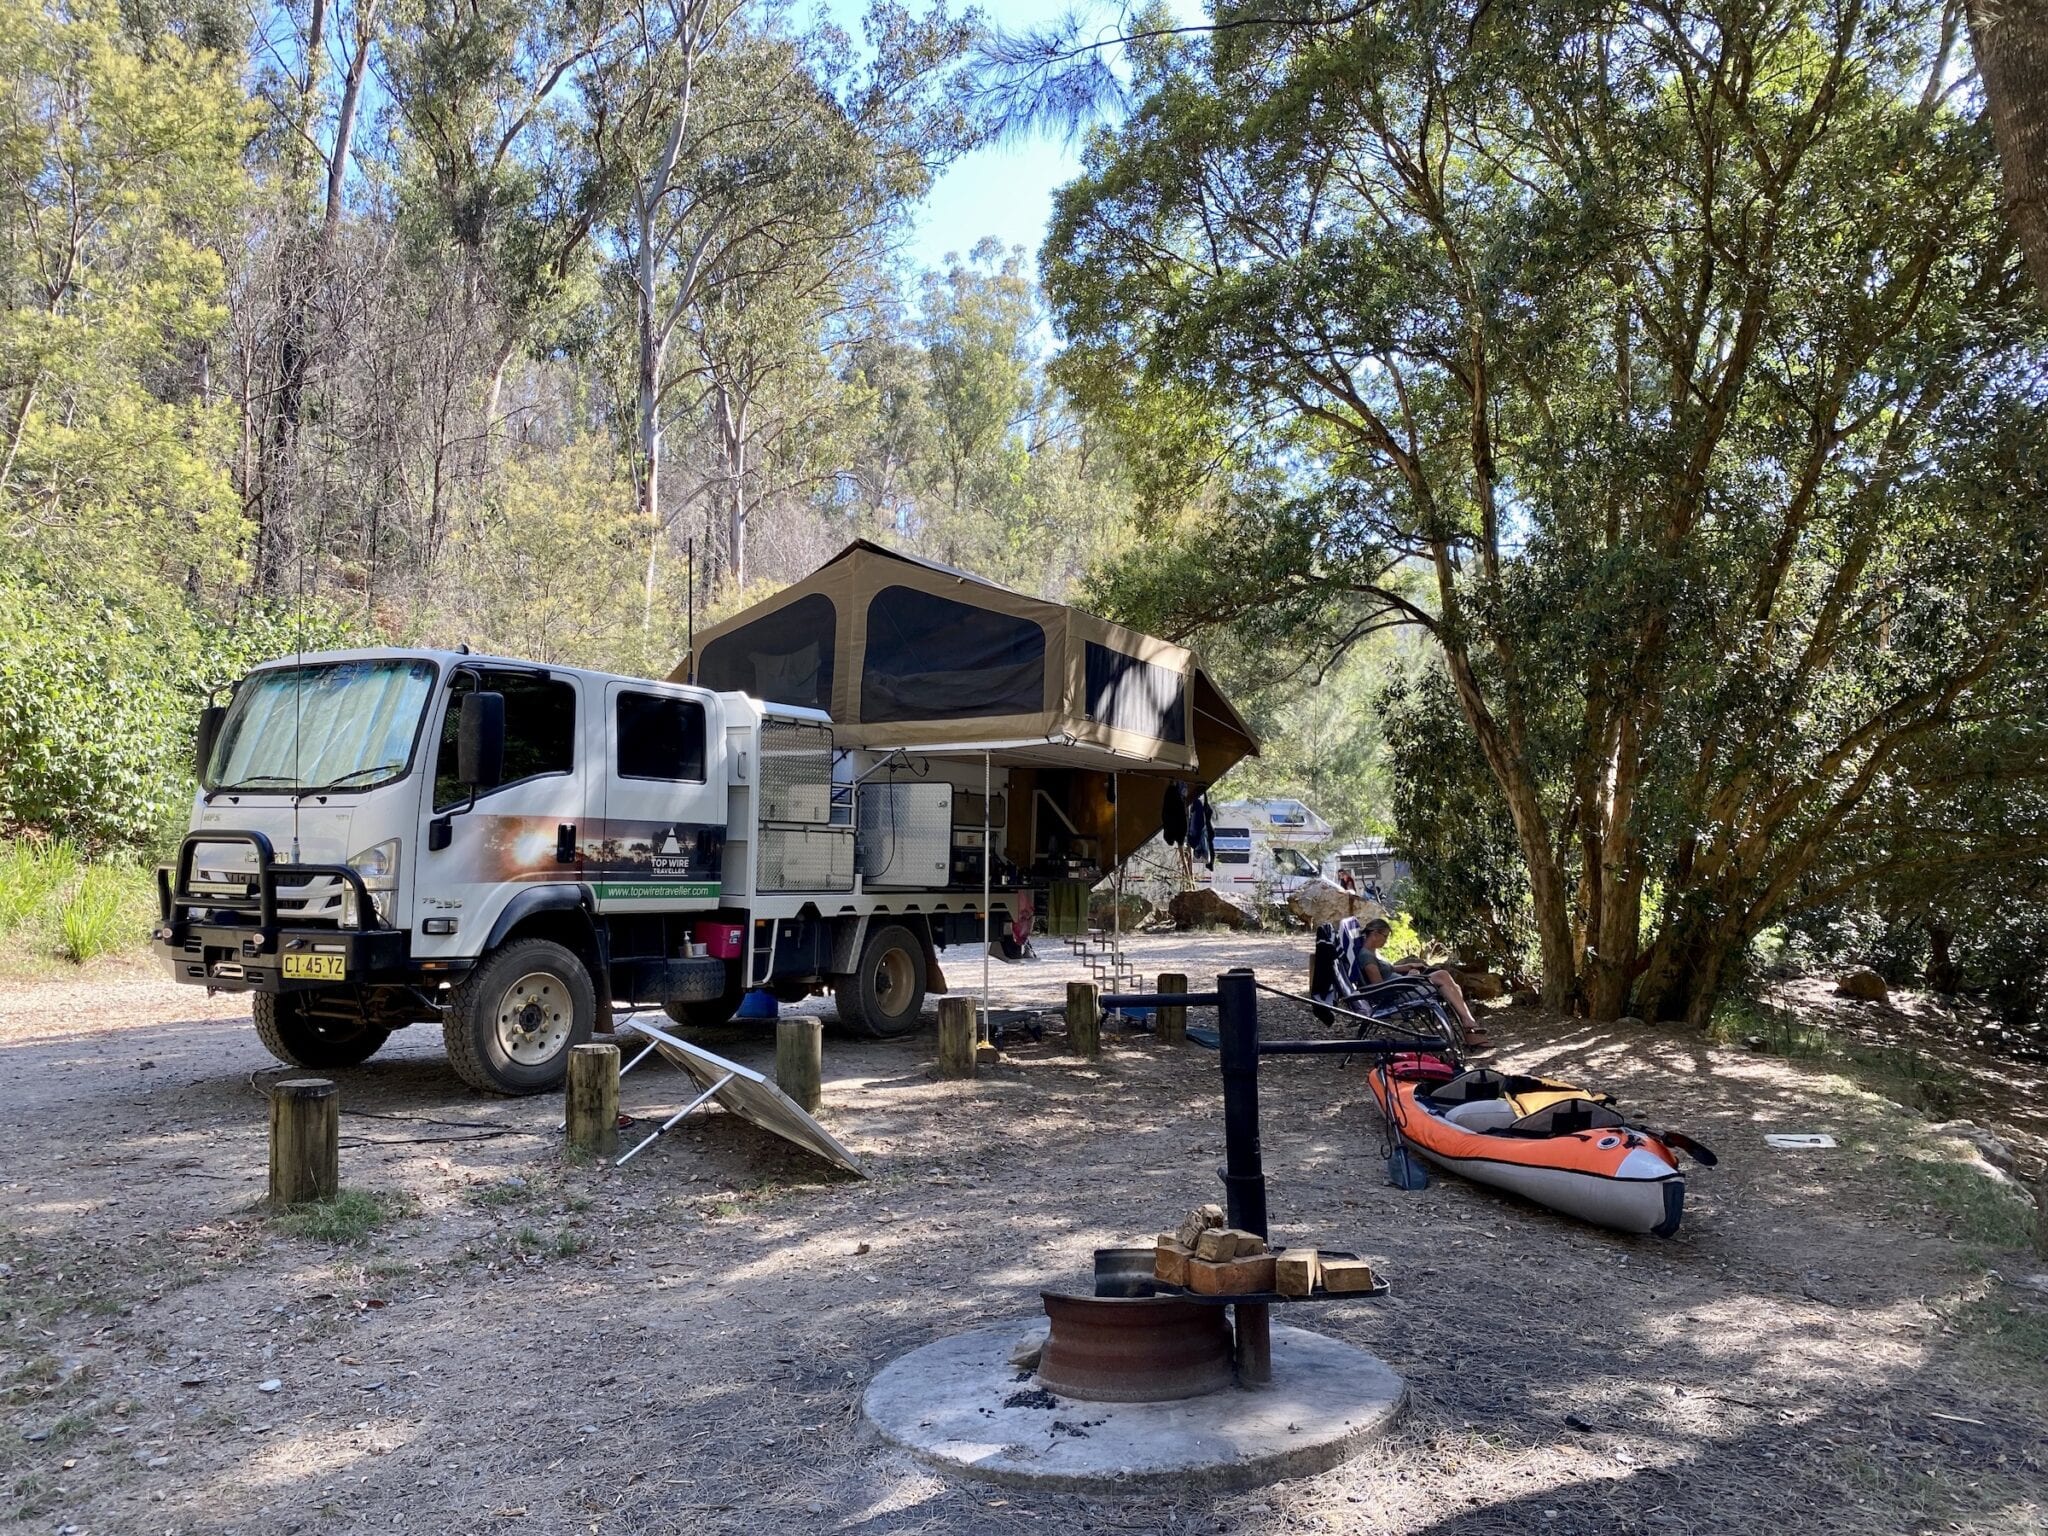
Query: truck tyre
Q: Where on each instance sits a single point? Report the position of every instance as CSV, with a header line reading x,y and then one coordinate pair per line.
x,y
513,1019
712,1012
298,1037
885,993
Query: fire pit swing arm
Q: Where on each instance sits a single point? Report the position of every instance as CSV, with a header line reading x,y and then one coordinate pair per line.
x,y
1237,1044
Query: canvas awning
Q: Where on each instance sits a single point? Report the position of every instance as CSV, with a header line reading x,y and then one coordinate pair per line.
x,y
902,652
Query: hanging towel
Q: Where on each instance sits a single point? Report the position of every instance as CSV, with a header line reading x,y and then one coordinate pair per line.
x,y
1173,815
1202,830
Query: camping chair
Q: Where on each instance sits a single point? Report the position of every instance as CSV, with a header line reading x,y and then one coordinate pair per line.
x,y
1410,1002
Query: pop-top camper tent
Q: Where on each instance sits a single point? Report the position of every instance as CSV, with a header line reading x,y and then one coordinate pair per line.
x,y
904,653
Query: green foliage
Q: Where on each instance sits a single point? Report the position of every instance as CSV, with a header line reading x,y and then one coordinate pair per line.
x,y
116,166
1467,884
98,696
91,918
349,1218
1404,939
1323,735
56,905
92,720
972,455
521,575
32,871
1671,372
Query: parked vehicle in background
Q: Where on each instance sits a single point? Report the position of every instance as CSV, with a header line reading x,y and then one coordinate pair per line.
x,y
1264,850
1376,869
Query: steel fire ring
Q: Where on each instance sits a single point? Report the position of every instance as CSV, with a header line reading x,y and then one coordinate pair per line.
x,y
1133,1349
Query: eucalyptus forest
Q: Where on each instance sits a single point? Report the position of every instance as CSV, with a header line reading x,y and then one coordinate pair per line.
x,y
1604,446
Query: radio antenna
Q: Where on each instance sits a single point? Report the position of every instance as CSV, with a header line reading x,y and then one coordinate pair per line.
x,y
298,698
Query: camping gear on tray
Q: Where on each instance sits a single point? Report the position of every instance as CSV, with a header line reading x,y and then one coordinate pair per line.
x,y
1556,1143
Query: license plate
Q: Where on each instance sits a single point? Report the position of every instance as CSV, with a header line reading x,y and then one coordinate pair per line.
x,y
315,967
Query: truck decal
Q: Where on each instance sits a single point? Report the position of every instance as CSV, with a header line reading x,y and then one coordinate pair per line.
x,y
655,853
614,890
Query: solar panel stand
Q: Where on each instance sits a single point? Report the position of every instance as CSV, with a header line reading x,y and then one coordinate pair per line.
x,y
674,1120
741,1090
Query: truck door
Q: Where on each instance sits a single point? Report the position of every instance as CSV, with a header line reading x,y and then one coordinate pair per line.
x,y
522,833
657,838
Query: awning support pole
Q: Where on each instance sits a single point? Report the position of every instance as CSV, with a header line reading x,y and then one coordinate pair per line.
x,y
982,1035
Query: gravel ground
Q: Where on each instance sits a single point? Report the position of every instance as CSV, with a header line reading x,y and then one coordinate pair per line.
x,y
527,1344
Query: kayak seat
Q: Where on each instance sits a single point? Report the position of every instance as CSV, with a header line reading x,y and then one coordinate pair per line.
x,y
1481,1115
1566,1117
1481,1083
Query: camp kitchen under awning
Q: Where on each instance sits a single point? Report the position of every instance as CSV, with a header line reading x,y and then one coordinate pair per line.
x,y
904,653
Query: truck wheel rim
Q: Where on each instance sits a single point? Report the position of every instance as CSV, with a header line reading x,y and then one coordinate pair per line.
x,y
533,1018
893,982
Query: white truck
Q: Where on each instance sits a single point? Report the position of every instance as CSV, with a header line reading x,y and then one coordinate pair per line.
x,y
511,850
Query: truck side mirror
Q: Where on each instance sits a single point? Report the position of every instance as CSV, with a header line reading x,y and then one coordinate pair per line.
x,y
480,741
210,719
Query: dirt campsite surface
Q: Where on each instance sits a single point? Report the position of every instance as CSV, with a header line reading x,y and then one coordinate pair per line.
x,y
527,1344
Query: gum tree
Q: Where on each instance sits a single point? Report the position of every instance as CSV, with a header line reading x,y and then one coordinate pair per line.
x,y
1668,364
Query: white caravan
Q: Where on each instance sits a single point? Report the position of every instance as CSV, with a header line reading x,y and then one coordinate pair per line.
x,y
1264,849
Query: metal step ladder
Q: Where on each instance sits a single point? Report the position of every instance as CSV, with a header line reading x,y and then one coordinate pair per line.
x,y
1103,953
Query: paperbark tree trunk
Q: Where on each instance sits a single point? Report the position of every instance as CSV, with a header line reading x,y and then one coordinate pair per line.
x,y
1942,972
1688,962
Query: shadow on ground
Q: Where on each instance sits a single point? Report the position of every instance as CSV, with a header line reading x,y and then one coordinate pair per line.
x,y
530,1344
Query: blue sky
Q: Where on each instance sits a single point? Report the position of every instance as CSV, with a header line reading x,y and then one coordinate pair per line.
x,y
1005,190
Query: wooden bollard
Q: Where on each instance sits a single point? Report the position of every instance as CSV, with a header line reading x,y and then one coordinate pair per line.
x,y
800,1060
590,1107
1084,1018
956,1037
305,1140
1173,1017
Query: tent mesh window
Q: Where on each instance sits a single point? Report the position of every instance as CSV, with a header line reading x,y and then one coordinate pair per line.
x,y
930,658
1127,694
784,657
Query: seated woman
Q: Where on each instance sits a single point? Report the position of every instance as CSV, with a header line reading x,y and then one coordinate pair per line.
x,y
1376,969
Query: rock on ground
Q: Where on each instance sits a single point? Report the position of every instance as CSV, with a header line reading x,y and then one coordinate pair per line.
x,y
1865,985
1321,901
1104,909
1994,1149
1202,907
1480,986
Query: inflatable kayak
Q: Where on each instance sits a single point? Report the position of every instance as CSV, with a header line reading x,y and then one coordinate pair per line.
x,y
1556,1143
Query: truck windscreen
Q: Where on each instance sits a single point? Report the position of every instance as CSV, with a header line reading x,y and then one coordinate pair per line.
x,y
330,725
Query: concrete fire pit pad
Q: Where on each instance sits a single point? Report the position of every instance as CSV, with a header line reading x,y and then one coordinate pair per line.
x,y
961,1406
